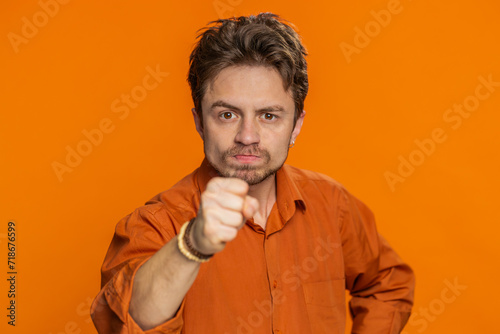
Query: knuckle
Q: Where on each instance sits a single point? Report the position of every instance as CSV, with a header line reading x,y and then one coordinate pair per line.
x,y
232,234
241,185
213,184
244,184
207,200
237,218
210,214
241,204
235,202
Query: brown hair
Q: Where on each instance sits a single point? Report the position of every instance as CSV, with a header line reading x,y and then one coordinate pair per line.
x,y
249,40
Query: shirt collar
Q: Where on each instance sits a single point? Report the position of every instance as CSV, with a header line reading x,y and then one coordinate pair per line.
x,y
288,195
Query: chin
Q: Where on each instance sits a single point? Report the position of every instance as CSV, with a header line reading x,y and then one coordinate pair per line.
x,y
250,174
253,178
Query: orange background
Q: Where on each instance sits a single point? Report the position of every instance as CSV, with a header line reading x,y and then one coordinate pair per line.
x,y
362,115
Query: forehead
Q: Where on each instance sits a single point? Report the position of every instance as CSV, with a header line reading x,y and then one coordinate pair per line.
x,y
248,87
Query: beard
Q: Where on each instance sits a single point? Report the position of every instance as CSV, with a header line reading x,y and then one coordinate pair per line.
x,y
247,172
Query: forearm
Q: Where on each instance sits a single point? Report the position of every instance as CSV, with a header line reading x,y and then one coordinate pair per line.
x,y
160,286
383,304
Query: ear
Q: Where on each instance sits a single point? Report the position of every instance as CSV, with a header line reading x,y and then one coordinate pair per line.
x,y
298,126
197,122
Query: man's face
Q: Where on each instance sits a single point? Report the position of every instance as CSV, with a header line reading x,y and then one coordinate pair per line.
x,y
247,122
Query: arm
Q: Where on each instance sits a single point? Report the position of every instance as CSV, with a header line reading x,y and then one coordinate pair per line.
x,y
160,286
145,277
381,284
161,283
137,238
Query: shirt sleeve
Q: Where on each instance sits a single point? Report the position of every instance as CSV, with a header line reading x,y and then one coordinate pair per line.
x,y
137,237
380,283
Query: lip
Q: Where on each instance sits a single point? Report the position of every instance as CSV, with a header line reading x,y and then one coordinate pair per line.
x,y
246,158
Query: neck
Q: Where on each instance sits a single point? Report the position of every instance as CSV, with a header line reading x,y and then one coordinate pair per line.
x,y
265,193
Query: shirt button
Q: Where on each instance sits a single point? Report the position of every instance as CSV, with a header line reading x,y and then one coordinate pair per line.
x,y
277,331
275,284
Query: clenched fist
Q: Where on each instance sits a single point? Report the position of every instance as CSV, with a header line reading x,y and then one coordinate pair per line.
x,y
224,208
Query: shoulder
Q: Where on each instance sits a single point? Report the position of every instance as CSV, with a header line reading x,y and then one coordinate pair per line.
x,y
321,188
305,178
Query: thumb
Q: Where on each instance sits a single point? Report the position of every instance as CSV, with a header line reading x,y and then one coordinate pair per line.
x,y
250,207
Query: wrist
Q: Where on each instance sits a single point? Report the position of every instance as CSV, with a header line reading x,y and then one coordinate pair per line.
x,y
185,244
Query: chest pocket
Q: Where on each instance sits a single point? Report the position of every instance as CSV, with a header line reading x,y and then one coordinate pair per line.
x,y
325,302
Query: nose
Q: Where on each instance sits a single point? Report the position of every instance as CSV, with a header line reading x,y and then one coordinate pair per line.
x,y
248,132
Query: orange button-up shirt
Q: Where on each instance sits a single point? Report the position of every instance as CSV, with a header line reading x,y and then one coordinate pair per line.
x,y
289,278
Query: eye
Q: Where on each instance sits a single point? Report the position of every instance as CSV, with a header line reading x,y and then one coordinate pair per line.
x,y
269,117
227,115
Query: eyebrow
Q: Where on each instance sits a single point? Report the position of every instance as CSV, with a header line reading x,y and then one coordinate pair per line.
x,y
223,104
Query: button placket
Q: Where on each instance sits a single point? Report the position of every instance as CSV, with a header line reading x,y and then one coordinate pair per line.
x,y
273,273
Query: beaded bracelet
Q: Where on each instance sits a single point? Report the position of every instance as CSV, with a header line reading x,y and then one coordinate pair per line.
x,y
185,247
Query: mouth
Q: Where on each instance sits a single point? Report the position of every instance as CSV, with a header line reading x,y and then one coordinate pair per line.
x,y
246,158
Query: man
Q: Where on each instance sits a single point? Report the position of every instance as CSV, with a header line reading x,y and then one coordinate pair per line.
x,y
245,243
